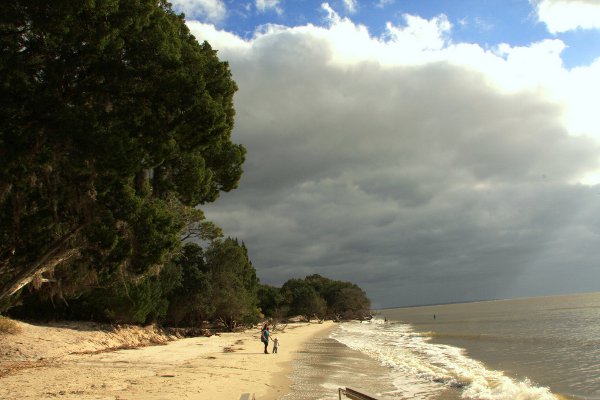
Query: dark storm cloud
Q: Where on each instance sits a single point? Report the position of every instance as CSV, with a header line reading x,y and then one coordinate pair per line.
x,y
421,184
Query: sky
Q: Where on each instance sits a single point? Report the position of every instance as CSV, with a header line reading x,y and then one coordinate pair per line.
x,y
430,151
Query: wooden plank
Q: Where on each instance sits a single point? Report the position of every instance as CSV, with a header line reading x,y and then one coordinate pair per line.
x,y
357,395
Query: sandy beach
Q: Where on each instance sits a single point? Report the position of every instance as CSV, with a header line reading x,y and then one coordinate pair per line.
x,y
67,363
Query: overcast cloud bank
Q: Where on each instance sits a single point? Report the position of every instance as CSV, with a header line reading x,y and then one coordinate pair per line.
x,y
422,169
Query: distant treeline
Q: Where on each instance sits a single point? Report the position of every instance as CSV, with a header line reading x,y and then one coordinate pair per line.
x,y
312,296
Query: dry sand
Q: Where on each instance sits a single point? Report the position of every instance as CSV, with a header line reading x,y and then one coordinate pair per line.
x,y
71,362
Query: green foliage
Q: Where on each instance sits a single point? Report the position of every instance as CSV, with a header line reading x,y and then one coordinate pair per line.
x,y
190,303
126,302
303,298
350,302
272,302
234,283
147,303
156,229
323,297
116,122
217,284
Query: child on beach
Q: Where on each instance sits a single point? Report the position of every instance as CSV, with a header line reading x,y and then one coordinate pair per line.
x,y
275,345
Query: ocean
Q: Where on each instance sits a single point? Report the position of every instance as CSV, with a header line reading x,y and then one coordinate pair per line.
x,y
542,348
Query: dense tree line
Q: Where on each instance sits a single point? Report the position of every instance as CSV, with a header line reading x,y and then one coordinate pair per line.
x,y
216,285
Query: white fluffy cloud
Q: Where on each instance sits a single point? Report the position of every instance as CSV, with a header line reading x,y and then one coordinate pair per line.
x,y
266,5
209,10
351,5
219,39
567,15
423,169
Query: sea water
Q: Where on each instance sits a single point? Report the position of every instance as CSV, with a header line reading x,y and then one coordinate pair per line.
x,y
524,349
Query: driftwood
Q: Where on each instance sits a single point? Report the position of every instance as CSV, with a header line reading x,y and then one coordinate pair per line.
x,y
276,324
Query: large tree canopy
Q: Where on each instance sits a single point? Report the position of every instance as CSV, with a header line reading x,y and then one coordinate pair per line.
x,y
114,123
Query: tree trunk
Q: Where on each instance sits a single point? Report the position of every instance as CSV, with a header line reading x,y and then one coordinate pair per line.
x,y
56,254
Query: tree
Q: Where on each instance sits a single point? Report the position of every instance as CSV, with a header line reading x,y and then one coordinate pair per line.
x,y
351,303
191,302
115,121
317,295
234,283
303,299
272,302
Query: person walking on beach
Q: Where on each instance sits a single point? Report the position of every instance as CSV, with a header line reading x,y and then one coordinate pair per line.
x,y
264,336
275,345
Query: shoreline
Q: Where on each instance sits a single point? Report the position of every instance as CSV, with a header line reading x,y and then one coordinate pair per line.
x,y
294,342
221,366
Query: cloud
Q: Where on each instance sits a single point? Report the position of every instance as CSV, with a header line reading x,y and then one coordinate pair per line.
x,y
351,5
406,43
420,34
207,10
266,5
479,23
566,15
422,169
217,38
384,3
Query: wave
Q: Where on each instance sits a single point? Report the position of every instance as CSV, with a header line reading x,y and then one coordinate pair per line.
x,y
485,337
413,357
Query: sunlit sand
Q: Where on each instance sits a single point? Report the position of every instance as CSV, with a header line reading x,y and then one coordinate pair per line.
x,y
216,367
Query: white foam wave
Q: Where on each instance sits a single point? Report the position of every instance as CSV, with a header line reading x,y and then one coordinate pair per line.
x,y
415,360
